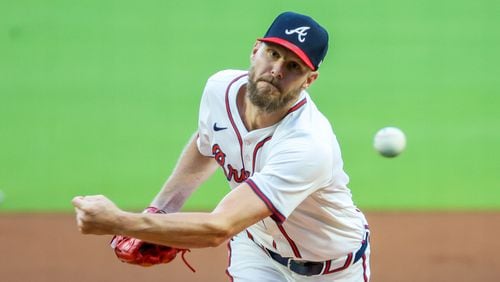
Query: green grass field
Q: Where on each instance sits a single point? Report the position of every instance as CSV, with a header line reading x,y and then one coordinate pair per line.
x,y
99,97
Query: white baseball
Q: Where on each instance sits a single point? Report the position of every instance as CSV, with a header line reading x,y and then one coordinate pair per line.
x,y
389,141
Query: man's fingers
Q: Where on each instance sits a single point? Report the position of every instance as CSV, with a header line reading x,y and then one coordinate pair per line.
x,y
93,214
78,201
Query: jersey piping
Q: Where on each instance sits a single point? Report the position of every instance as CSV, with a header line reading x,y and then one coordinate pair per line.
x,y
231,119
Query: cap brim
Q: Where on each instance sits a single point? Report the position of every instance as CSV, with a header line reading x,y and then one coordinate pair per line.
x,y
292,47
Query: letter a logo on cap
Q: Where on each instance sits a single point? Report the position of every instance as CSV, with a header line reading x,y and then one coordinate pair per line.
x,y
301,31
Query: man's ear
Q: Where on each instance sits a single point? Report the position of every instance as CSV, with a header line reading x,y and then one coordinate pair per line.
x,y
310,79
255,48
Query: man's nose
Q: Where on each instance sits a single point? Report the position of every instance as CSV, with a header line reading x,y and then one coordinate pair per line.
x,y
277,70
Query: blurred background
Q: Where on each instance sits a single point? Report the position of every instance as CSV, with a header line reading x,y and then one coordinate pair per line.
x,y
99,97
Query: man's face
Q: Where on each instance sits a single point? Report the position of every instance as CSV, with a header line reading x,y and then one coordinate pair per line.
x,y
276,77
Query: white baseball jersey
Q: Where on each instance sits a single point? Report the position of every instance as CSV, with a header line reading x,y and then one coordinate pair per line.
x,y
294,166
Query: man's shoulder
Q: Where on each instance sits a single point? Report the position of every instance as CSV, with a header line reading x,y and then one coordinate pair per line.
x,y
307,118
306,125
219,83
226,76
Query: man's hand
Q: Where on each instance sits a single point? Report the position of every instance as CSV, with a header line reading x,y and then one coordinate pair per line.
x,y
95,214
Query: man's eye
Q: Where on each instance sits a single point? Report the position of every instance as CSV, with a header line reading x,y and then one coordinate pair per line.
x,y
274,54
294,66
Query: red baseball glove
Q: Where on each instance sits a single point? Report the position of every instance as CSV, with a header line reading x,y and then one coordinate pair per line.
x,y
135,251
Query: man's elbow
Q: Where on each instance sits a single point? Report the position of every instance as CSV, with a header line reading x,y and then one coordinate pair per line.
x,y
221,231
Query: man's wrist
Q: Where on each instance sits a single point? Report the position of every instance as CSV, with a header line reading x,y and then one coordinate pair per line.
x,y
123,221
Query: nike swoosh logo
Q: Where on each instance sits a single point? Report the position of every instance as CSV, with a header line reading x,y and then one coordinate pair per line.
x,y
216,128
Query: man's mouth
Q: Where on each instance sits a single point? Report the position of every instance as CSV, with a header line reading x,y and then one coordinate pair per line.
x,y
270,83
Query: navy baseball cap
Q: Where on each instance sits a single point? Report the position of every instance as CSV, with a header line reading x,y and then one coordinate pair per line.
x,y
301,35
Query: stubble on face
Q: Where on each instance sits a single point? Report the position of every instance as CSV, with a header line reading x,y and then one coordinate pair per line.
x,y
266,94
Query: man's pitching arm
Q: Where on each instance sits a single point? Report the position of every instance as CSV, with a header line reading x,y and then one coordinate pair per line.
x,y
237,211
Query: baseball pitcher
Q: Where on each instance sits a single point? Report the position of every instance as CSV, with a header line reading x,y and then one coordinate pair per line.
x,y
289,215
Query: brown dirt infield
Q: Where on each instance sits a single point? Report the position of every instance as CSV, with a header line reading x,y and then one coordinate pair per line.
x,y
405,247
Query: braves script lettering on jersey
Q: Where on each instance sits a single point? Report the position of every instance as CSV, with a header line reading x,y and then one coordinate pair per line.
x,y
294,166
